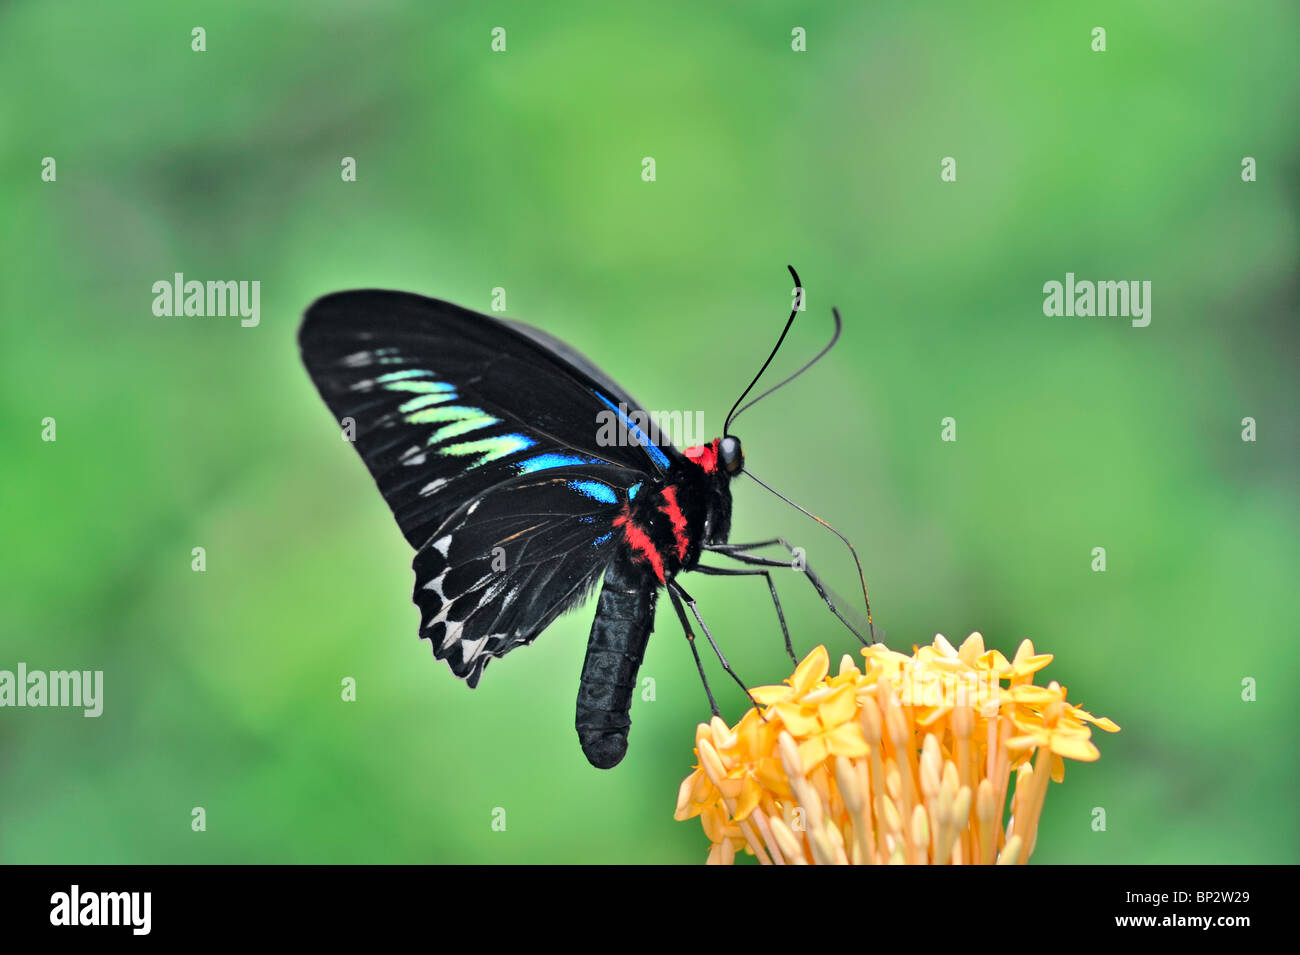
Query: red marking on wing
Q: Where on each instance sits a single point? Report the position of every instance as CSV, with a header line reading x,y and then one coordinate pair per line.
x,y
673,511
640,542
705,455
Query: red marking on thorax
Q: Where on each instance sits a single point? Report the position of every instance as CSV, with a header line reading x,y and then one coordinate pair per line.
x,y
672,510
705,455
640,542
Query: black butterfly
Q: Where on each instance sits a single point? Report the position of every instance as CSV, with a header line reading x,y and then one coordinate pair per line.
x,y
491,442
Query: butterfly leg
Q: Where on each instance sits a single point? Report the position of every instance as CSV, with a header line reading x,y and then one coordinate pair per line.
x,y
675,588
776,601
741,554
690,638
723,548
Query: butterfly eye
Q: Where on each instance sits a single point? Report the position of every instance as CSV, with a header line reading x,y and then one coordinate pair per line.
x,y
733,459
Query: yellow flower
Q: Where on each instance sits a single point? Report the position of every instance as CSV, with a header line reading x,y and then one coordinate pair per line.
x,y
906,759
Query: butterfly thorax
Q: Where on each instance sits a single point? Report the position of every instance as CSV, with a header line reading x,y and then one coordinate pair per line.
x,y
665,525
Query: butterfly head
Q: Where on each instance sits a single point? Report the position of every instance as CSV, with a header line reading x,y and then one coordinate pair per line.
x,y
721,455
730,456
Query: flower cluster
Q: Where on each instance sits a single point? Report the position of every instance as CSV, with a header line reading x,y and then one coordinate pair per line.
x,y
907,759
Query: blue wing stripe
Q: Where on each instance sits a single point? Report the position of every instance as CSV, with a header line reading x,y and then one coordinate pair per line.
x,y
596,491
553,460
652,449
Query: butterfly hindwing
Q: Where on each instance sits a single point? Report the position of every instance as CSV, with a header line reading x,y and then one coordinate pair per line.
x,y
506,564
446,403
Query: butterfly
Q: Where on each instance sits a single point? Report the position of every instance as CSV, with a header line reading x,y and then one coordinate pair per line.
x,y
523,476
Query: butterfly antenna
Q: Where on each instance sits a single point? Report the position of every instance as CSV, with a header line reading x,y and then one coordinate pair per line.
x,y
861,576
726,427
839,324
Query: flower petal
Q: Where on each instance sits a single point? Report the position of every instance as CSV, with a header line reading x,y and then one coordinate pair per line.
x,y
749,798
798,720
847,740
767,695
811,671
812,752
839,707
1074,747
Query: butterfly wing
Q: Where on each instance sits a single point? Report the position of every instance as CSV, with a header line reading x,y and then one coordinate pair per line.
x,y
504,565
504,454
563,350
446,403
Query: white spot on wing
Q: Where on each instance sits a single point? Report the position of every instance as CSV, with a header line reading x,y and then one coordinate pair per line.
x,y
432,487
413,455
357,359
435,584
471,649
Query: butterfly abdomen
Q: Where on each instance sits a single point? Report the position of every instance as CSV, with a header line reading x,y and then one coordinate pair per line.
x,y
619,634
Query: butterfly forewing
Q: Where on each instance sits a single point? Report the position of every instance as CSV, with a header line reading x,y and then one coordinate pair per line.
x,y
447,403
485,438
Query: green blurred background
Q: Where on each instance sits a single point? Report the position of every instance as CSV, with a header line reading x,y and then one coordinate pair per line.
x,y
522,169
